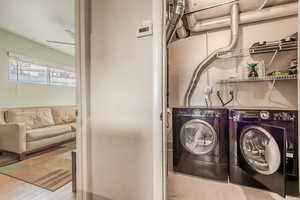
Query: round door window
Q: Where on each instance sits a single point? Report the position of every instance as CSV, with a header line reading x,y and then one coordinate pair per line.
x,y
260,150
198,137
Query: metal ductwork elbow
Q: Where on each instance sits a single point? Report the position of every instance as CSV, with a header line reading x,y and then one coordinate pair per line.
x,y
235,17
176,16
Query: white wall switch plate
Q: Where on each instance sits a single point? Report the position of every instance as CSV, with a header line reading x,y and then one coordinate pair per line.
x,y
145,30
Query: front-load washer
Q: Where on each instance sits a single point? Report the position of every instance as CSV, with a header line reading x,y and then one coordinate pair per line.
x,y
200,142
264,149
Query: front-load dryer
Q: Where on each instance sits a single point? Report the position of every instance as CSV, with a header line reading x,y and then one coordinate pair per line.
x,y
264,149
200,142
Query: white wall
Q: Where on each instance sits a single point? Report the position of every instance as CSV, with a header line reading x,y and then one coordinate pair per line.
x,y
14,94
186,54
121,102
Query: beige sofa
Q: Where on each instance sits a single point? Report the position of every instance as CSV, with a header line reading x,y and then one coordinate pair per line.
x,y
27,130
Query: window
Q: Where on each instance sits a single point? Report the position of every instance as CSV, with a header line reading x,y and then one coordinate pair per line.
x,y
13,70
30,73
61,77
27,72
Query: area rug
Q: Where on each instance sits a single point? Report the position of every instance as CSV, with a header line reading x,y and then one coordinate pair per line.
x,y
7,158
50,170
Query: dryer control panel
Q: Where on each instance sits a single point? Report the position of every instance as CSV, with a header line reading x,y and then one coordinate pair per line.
x,y
200,112
284,116
206,113
265,116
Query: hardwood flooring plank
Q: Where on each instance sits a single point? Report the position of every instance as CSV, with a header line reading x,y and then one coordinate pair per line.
x,y
13,189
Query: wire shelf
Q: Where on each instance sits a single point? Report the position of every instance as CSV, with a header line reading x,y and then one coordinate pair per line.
x,y
259,79
273,47
260,49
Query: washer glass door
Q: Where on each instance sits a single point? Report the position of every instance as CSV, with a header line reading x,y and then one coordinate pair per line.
x,y
260,150
198,137
261,154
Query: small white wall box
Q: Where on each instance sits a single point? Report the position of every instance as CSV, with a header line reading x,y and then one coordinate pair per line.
x,y
144,30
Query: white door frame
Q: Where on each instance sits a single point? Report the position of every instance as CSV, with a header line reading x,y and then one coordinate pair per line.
x,y
82,13
83,31
159,159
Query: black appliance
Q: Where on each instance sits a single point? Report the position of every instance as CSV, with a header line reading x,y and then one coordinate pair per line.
x,y
200,142
264,149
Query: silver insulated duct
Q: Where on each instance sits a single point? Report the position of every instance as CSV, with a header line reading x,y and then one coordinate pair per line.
x,y
175,16
246,17
235,17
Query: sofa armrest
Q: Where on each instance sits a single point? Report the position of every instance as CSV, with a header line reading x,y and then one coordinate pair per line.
x,y
13,137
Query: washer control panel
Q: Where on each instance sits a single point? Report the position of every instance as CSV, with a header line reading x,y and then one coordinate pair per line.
x,y
206,113
265,115
200,112
284,116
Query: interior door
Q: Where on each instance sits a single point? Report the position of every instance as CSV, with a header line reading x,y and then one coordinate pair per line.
x,y
262,154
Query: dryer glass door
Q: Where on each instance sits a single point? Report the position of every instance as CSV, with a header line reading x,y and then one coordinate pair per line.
x,y
262,155
198,137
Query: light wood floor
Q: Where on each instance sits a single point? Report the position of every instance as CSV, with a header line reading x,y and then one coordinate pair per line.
x,y
13,189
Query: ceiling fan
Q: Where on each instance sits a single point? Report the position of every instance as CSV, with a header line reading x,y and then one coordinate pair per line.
x,y
71,33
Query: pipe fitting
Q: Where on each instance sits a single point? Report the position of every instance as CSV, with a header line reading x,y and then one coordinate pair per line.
x,y
177,14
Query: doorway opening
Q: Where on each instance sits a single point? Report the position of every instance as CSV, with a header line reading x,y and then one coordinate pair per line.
x,y
232,65
38,105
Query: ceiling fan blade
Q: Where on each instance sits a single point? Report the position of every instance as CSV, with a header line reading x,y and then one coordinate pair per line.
x,y
63,43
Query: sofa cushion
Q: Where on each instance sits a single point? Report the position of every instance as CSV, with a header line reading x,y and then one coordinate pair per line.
x,y
74,126
32,117
48,132
64,114
31,146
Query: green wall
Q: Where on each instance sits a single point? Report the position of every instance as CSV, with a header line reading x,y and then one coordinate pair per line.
x,y
24,94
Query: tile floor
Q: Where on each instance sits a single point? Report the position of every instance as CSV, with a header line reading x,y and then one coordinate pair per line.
x,y
183,187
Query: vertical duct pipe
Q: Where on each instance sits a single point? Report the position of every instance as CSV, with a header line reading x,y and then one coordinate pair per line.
x,y
235,16
174,18
176,15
